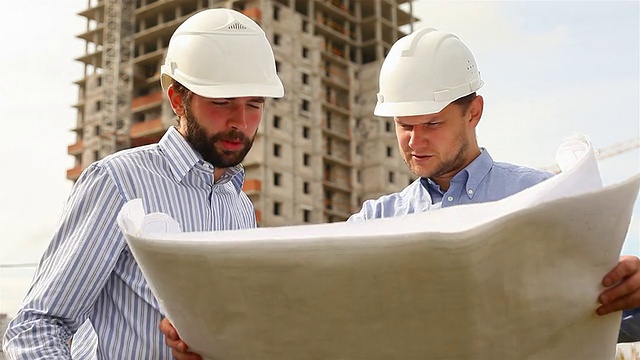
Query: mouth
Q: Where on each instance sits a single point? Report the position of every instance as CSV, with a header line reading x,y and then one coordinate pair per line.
x,y
421,157
232,145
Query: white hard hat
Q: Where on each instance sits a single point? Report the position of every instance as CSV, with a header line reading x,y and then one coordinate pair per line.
x,y
424,72
221,53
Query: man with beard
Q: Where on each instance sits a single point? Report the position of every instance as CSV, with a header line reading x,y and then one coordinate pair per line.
x,y
428,84
218,71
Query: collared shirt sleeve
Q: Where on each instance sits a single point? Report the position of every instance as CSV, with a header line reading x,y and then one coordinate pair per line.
x,y
71,273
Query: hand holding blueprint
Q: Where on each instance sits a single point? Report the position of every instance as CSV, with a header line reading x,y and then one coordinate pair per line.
x,y
512,279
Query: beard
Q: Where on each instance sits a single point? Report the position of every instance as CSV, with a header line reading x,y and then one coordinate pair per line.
x,y
445,165
205,144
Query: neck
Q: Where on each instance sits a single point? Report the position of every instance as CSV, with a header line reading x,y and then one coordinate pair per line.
x,y
444,180
217,173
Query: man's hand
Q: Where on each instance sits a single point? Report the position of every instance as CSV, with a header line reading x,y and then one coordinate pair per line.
x,y
623,287
178,347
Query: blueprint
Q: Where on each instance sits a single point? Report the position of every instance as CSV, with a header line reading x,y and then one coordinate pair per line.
x,y
512,279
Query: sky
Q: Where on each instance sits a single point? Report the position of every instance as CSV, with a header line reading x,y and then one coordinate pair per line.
x,y
551,70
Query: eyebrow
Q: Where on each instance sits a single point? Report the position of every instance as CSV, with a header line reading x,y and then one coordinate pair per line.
x,y
420,123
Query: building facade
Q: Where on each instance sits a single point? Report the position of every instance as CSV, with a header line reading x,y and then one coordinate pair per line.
x,y
319,151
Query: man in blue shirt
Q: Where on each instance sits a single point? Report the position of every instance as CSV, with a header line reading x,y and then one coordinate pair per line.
x,y
428,84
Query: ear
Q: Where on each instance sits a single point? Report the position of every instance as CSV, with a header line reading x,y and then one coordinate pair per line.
x,y
176,101
475,110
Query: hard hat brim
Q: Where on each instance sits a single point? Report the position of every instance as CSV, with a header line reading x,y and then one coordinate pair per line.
x,y
241,90
392,109
273,90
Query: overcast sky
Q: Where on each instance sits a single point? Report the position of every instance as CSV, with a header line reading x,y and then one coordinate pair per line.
x,y
551,69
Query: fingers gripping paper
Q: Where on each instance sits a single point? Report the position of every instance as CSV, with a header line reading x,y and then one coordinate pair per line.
x,y
512,279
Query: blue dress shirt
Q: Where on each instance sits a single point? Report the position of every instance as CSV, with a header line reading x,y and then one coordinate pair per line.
x,y
481,181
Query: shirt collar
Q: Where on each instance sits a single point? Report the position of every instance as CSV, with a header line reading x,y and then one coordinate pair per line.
x,y
182,159
234,174
471,175
476,171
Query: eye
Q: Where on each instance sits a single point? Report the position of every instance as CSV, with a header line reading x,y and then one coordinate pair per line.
x,y
220,102
406,127
433,123
255,105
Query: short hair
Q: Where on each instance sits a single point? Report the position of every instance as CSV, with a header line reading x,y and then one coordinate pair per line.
x,y
465,101
185,94
183,91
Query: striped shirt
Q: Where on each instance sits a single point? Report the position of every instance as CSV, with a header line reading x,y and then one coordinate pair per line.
x,y
88,283
481,181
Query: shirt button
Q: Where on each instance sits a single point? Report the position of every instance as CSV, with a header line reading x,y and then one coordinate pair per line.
x,y
450,198
470,192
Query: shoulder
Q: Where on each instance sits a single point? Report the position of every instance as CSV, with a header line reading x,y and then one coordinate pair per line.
x,y
126,167
406,193
140,161
387,205
522,172
135,156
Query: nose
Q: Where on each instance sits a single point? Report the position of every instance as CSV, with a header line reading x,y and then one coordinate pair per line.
x,y
417,137
238,118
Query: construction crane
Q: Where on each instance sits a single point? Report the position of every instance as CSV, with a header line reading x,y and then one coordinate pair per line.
x,y
118,75
617,149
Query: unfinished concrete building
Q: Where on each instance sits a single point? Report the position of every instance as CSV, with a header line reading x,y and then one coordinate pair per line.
x,y
319,151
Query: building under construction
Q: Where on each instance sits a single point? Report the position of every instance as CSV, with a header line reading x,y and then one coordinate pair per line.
x,y
319,151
